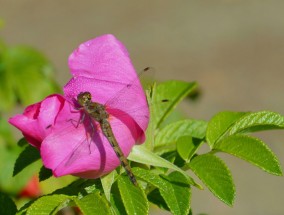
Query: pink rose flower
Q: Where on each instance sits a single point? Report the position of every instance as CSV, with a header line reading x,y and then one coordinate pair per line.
x,y
71,142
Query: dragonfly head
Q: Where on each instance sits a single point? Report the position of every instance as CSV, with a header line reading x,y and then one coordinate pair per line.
x,y
84,98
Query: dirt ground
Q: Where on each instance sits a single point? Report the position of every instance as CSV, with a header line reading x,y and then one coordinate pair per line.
x,y
234,49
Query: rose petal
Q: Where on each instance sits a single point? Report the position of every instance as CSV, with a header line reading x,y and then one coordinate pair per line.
x,y
37,119
103,58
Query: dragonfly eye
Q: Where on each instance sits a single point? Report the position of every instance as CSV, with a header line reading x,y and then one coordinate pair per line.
x,y
88,96
84,97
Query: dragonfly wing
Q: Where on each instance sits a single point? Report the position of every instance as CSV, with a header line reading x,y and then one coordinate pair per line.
x,y
130,103
136,121
118,97
70,149
101,90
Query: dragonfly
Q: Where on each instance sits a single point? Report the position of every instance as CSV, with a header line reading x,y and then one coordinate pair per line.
x,y
99,113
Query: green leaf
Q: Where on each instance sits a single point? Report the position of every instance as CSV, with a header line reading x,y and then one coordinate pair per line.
x,y
174,92
174,189
142,155
258,121
6,135
29,155
107,182
93,204
213,172
117,205
77,187
187,146
29,74
133,197
10,184
24,208
252,150
44,173
22,142
7,206
48,204
150,131
181,192
220,124
166,139
7,95
156,198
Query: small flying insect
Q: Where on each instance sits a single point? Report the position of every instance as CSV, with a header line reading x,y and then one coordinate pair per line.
x,y
99,113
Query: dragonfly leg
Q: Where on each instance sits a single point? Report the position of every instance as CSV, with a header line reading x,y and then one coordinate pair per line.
x,y
76,123
90,135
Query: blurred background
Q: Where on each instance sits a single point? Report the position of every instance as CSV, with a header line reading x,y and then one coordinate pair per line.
x,y
234,49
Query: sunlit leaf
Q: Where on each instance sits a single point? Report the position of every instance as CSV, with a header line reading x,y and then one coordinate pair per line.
x,y
220,124
174,92
258,121
187,146
150,132
174,189
107,182
252,150
213,172
133,197
142,155
93,204
166,139
181,192
48,204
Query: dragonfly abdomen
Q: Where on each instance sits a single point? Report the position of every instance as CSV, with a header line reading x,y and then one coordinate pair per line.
x,y
107,131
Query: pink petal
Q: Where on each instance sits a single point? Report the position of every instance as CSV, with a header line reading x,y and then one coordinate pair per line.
x,y
37,119
103,58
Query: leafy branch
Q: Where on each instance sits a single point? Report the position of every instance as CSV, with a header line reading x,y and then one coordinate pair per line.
x,y
161,164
